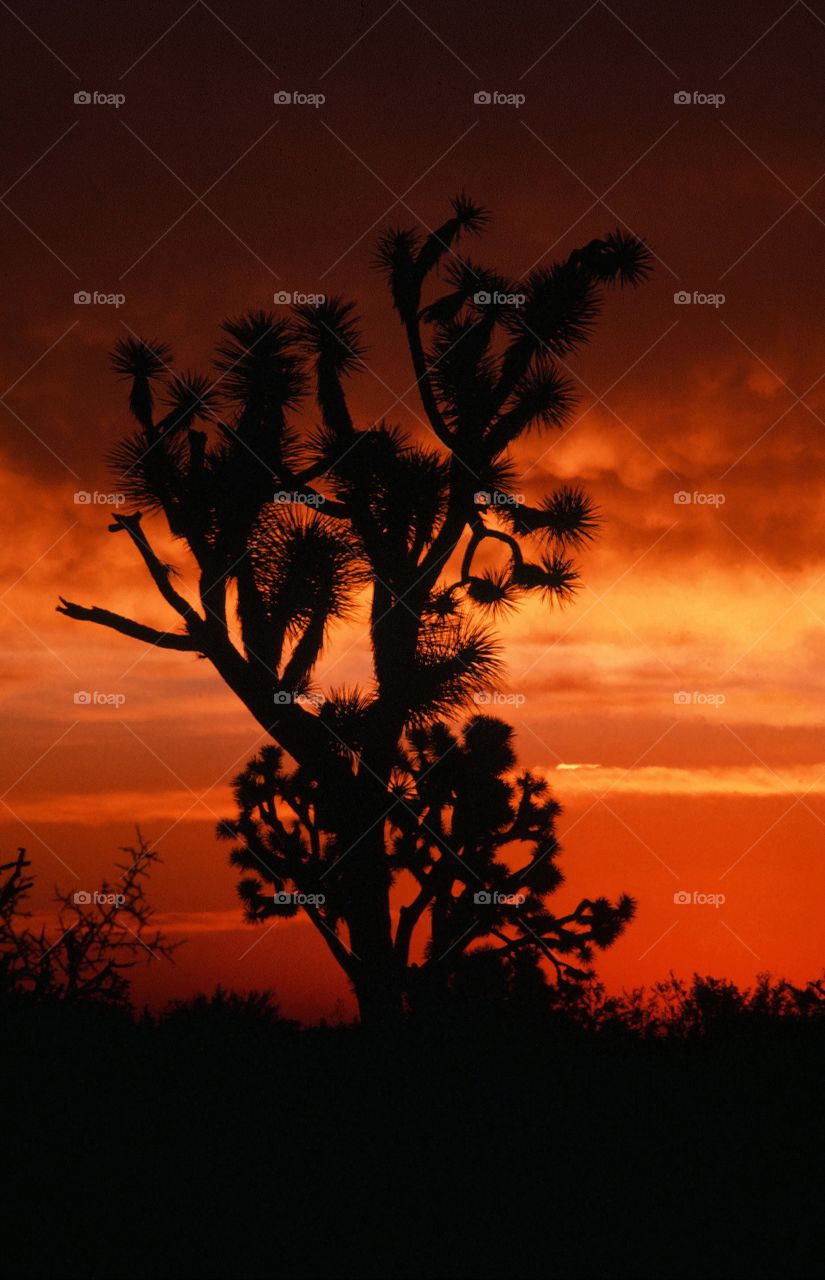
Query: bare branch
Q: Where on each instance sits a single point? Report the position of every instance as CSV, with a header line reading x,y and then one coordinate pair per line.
x,y
160,572
128,627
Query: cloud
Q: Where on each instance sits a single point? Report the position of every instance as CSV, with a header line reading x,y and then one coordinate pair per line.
x,y
98,808
659,780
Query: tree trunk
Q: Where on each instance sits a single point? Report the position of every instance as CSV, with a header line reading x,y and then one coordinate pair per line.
x,y
380,1007
377,981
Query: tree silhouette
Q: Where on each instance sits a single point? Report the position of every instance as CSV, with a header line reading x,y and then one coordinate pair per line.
x,y
289,525
101,935
478,844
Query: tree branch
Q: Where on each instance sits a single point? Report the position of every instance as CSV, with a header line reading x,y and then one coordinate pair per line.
x,y
128,627
408,918
514,944
424,383
480,532
337,947
160,572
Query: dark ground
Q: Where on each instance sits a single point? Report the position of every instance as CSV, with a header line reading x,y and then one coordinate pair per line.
x,y
214,1144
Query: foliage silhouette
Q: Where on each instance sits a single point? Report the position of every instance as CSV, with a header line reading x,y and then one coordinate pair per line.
x,y
100,936
290,525
156,1141
481,848
218,1104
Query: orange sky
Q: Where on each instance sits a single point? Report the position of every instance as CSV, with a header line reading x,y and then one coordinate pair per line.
x,y
712,599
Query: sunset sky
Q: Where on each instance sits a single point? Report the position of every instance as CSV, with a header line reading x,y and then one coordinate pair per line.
x,y
198,197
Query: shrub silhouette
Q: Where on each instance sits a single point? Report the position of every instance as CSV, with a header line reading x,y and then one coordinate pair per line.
x,y
196,1120
100,936
229,1014
289,524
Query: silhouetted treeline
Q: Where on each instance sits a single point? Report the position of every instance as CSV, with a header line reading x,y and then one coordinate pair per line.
x,y
676,1132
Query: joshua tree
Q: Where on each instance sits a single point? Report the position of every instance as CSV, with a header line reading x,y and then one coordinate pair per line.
x,y
291,525
455,809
